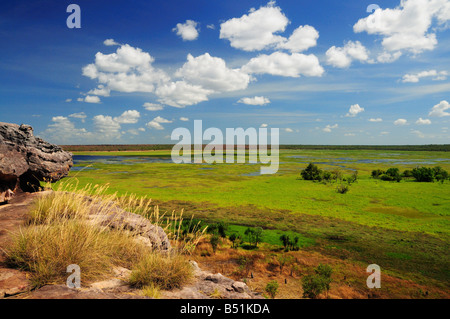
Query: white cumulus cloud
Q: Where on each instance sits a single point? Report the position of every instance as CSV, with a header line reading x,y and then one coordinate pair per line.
x,y
440,110
156,123
400,122
342,57
128,117
283,64
129,70
303,38
91,99
181,94
211,73
106,126
408,27
257,100
152,106
110,42
255,30
422,121
435,75
187,31
354,110
329,128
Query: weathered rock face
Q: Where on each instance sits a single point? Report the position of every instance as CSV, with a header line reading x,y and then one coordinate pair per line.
x,y
25,160
112,216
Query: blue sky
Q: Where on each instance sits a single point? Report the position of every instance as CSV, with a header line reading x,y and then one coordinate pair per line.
x,y
323,72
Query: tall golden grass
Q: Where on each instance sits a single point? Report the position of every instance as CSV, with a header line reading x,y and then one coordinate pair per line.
x,y
58,233
165,271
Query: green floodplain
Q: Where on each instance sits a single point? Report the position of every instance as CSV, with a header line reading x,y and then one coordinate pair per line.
x,y
401,226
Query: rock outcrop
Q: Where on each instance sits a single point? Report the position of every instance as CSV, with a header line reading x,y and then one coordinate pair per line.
x,y
112,216
207,285
25,160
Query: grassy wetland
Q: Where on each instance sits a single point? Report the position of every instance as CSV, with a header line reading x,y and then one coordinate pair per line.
x,y
401,226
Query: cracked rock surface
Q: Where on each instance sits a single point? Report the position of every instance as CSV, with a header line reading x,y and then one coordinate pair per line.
x,y
25,160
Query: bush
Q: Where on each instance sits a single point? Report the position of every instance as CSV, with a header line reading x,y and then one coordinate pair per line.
x,y
272,288
353,178
312,173
342,189
337,174
163,271
377,173
288,243
420,174
327,176
254,235
394,174
219,228
440,174
427,174
325,272
235,240
407,173
214,241
314,285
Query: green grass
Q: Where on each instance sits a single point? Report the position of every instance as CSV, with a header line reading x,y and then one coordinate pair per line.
x,y
404,227
271,236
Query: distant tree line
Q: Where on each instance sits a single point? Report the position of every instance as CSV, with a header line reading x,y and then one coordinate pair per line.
x,y
155,147
428,148
420,174
116,147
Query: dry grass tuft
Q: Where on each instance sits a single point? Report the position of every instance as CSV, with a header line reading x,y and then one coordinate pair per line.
x,y
58,233
166,271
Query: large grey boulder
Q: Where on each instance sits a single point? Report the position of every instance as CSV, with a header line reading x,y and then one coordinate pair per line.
x,y
25,160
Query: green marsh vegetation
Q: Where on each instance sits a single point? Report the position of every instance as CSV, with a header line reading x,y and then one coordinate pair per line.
x,y
402,226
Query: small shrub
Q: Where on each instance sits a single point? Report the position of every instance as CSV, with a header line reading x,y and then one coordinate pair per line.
x,y
272,288
235,240
214,241
337,175
407,173
289,244
327,176
254,235
394,174
312,173
342,188
284,260
353,178
377,173
423,174
219,228
314,285
440,174
325,272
